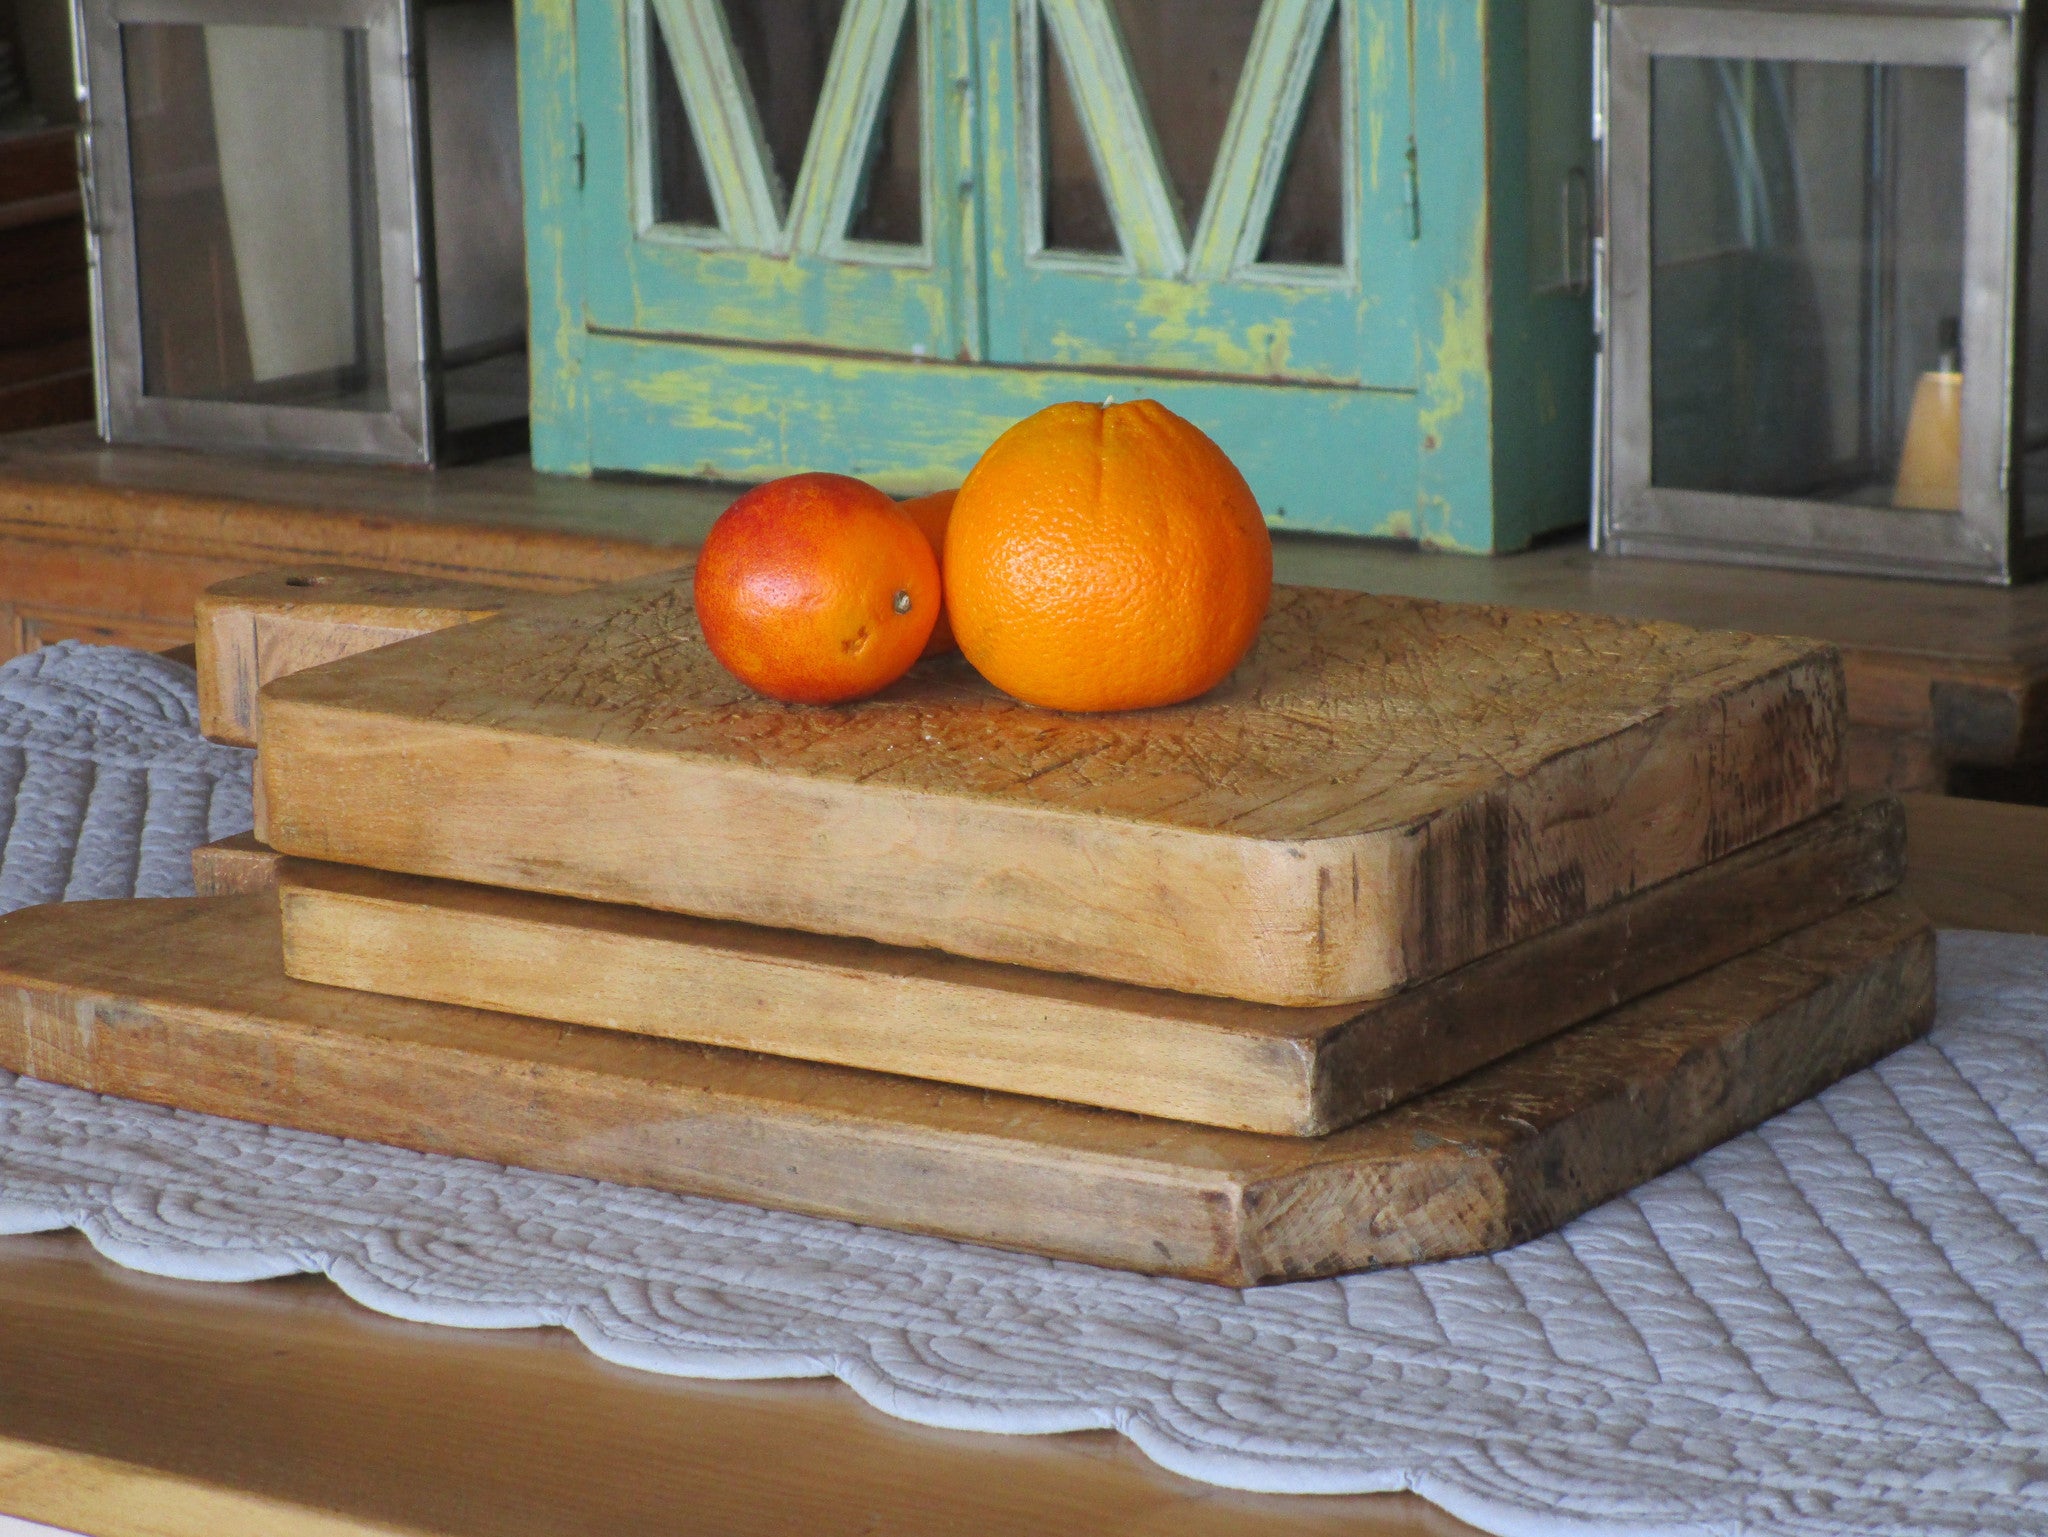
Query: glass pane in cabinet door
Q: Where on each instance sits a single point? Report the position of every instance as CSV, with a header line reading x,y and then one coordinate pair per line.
x,y
1807,280
889,206
682,188
784,49
785,46
769,173
1186,60
255,215
1306,227
1295,254
1076,213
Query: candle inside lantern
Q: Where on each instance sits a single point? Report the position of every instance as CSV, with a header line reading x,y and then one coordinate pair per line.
x,y
1931,461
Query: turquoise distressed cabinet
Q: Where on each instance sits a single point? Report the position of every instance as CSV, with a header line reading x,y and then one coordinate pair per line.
x,y
1346,237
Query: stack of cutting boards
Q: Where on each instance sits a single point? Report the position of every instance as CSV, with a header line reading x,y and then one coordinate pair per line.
x,y
1433,926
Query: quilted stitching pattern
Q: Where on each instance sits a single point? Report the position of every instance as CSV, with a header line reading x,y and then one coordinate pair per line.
x,y
106,785
1835,1324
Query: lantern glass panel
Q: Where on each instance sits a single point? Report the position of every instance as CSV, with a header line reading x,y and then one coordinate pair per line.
x,y
1806,293
479,246
255,215
2033,361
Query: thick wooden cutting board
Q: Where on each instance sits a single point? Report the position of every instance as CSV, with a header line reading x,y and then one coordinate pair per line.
x,y
1258,1067
1386,788
186,1003
251,629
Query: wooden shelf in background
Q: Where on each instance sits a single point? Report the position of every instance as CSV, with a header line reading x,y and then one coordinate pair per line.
x,y
116,544
1948,683
1977,864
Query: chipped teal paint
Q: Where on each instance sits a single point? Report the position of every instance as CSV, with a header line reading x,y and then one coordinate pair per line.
x,y
1453,279
751,413
649,278
554,244
1543,425
1350,325
1504,411
1470,432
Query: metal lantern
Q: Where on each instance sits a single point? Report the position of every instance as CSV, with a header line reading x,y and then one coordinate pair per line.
x,y
1817,347
305,222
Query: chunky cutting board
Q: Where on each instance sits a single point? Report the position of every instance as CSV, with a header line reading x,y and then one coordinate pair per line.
x,y
251,629
1258,1067
186,1003
1386,789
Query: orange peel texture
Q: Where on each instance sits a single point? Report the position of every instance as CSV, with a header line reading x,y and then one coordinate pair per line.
x,y
816,589
1106,558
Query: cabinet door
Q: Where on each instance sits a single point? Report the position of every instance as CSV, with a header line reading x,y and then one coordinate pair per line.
x,y
1219,189
783,171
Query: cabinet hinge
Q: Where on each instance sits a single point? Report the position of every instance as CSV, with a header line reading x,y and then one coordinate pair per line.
x,y
580,157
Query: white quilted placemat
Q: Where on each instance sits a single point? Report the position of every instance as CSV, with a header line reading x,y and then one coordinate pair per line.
x,y
106,785
1835,1324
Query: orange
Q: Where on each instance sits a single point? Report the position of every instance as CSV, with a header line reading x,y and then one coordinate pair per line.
x,y
1106,558
931,513
816,589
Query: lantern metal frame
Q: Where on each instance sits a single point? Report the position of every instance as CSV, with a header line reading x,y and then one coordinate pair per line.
x,y
1985,540
411,428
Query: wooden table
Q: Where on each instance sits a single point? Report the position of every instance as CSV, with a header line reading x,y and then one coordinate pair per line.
x,y
135,1407
1948,682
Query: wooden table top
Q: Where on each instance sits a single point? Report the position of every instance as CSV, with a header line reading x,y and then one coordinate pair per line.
x,y
471,519
115,544
138,1407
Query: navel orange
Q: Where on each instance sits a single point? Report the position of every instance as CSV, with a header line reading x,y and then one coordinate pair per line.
x,y
816,589
1106,558
931,514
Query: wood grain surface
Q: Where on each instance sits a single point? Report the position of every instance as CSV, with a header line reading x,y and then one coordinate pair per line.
x,y
114,543
134,1406
186,1003
285,1400
232,866
274,623
1385,789
1256,1067
1978,865
1939,673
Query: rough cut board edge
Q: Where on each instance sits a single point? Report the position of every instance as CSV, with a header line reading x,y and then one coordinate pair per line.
x,y
1253,1067
185,1003
234,866
1302,922
268,625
